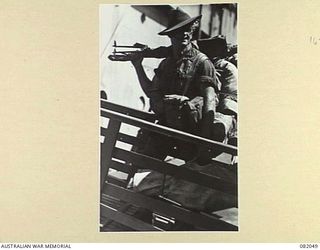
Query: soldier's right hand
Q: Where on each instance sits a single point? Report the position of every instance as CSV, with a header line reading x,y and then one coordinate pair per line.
x,y
137,60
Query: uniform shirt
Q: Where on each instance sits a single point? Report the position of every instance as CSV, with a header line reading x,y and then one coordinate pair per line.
x,y
183,76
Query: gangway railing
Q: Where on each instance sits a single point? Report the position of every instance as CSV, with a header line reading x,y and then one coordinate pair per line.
x,y
117,197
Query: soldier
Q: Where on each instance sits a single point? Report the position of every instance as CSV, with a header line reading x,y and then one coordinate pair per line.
x,y
183,92
227,74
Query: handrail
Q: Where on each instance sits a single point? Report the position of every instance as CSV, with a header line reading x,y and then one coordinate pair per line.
x,y
119,114
169,131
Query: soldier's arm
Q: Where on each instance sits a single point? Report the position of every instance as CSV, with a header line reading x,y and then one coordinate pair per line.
x,y
150,88
208,88
208,111
144,81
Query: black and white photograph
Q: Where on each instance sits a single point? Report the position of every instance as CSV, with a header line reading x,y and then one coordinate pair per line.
x,y
168,118
127,123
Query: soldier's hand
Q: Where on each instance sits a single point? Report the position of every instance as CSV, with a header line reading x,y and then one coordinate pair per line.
x,y
175,99
136,60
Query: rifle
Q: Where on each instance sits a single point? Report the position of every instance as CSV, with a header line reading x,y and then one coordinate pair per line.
x,y
137,51
211,47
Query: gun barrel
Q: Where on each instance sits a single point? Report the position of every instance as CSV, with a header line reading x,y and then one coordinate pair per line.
x,y
127,51
126,46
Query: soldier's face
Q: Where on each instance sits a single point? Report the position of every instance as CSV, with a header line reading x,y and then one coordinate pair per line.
x,y
181,38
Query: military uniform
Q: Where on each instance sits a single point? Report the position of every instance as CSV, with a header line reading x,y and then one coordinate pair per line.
x,y
183,77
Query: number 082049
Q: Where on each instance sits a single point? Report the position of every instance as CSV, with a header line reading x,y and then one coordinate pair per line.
x,y
308,245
